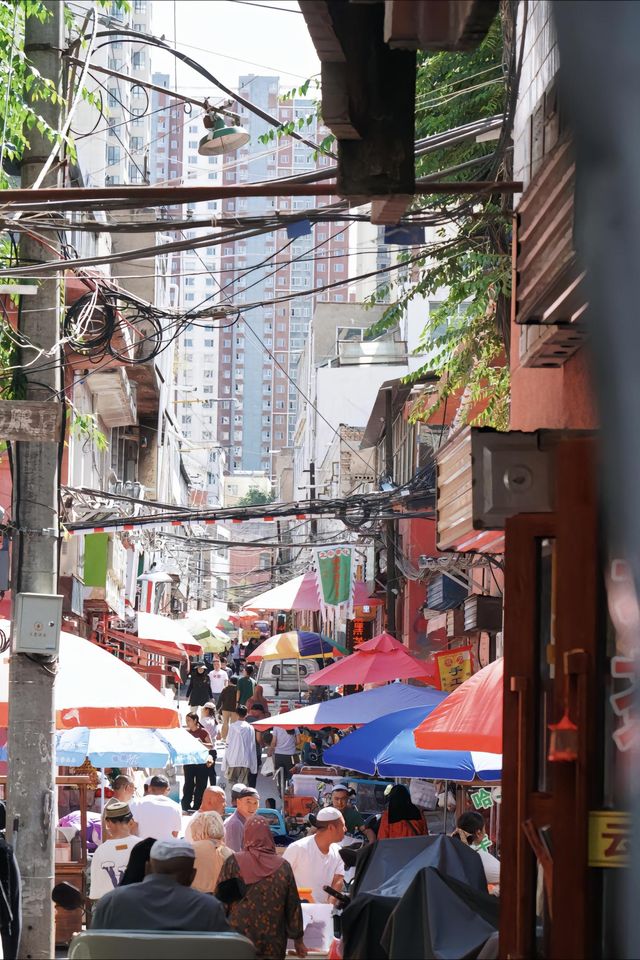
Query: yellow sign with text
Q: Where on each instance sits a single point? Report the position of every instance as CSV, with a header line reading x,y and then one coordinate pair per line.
x,y
609,838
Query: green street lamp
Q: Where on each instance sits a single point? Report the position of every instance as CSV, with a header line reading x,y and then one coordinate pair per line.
x,y
221,138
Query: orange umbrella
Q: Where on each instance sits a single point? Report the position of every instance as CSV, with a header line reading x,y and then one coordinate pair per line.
x,y
95,689
470,718
376,661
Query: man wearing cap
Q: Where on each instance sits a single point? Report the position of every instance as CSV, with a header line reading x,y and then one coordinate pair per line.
x,y
340,799
157,815
247,803
164,900
316,860
112,856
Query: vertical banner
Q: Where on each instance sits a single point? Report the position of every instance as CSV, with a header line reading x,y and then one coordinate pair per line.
x,y
335,577
454,667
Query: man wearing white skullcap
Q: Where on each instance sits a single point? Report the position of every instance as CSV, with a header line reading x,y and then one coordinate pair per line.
x,y
164,900
316,860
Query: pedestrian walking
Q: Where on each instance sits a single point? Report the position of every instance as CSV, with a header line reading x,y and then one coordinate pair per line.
x,y
218,678
198,689
235,654
284,750
240,758
258,697
195,774
211,723
246,685
270,913
214,798
227,704
247,801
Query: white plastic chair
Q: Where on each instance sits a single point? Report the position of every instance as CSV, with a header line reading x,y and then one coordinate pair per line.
x,y
152,945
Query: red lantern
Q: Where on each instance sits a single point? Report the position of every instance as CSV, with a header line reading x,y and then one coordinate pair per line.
x,y
563,744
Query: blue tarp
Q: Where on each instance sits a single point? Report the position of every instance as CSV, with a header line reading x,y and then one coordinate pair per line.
x,y
386,747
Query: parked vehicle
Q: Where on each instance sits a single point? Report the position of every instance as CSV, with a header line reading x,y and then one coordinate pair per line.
x,y
285,679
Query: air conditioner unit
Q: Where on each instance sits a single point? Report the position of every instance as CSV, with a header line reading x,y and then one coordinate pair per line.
x,y
482,613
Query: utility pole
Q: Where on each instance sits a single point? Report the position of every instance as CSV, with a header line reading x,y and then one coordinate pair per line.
x,y
313,527
390,534
31,741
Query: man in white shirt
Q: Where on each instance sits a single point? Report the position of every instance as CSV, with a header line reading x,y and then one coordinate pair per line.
x,y
218,679
240,758
284,750
157,815
315,860
112,856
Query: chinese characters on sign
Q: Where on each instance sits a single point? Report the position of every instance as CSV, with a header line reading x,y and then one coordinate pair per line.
x,y
609,838
482,799
454,667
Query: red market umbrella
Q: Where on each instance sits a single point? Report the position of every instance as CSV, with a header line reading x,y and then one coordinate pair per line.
x,y
301,593
95,689
376,661
470,718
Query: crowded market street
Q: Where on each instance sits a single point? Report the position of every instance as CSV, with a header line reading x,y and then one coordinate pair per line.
x,y
319,460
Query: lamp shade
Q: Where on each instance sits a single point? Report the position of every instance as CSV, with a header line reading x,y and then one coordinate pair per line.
x,y
222,139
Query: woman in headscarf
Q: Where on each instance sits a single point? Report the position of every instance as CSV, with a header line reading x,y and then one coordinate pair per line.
x,y
199,687
258,697
401,818
207,837
270,912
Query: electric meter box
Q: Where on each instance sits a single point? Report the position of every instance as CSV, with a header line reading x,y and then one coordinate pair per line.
x,y
37,624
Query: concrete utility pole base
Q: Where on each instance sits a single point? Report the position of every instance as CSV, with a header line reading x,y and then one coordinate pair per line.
x,y
31,742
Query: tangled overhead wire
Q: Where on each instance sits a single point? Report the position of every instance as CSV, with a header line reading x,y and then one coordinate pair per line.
x,y
113,322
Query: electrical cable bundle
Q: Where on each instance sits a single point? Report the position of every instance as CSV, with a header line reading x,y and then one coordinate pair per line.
x,y
112,322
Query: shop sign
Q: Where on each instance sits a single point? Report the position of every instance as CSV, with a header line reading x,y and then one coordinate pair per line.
x,y
609,838
454,667
482,799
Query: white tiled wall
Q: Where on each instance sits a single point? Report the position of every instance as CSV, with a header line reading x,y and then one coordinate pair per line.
x,y
539,66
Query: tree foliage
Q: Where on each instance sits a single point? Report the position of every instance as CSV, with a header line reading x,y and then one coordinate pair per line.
x,y
465,338
254,497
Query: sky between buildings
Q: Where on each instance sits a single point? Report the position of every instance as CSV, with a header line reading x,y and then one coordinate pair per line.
x,y
230,38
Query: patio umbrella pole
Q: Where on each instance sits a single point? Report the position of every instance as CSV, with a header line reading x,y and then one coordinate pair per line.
x,y
446,800
102,794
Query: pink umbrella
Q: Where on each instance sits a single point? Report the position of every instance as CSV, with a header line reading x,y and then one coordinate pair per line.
x,y
376,661
470,718
301,593
95,689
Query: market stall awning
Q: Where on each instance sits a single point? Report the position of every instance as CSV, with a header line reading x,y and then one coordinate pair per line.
x,y
357,708
95,689
169,637
376,661
386,747
297,645
301,593
128,747
470,718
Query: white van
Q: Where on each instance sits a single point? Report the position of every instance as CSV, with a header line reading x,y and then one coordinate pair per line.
x,y
281,679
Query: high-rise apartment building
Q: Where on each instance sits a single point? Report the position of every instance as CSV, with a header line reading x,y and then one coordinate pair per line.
x,y
258,356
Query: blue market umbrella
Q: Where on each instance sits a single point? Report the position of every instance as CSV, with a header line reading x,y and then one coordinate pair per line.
x,y
386,747
128,747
